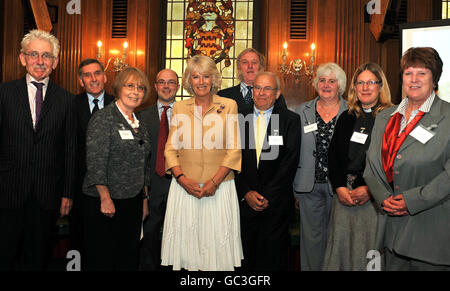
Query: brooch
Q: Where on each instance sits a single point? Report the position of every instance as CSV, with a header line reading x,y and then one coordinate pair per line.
x,y
222,107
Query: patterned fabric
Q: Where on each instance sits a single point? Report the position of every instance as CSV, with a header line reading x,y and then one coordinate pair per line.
x,y
249,97
323,139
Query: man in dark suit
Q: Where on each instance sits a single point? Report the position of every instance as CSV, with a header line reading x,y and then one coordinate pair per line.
x,y
269,160
249,63
37,155
157,119
92,78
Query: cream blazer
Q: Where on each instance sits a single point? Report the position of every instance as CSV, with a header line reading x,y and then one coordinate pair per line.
x,y
201,144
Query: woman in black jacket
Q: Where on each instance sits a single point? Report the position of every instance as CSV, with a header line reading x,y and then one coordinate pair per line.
x,y
353,218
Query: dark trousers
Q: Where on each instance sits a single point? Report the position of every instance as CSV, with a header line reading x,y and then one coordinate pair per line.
x,y
265,241
150,253
112,243
26,237
150,257
76,224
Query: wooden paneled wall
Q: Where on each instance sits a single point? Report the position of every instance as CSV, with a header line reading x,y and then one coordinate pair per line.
x,y
336,27
341,36
78,35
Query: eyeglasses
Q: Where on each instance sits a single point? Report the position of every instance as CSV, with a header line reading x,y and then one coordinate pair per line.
x,y
35,55
265,89
133,87
368,83
170,82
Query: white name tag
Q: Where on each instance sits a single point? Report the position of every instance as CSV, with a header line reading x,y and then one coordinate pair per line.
x,y
422,134
126,134
310,128
359,137
275,140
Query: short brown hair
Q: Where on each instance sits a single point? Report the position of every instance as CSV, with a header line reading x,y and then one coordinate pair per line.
x,y
131,73
384,100
423,57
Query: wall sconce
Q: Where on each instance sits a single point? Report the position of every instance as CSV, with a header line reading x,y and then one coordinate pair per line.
x,y
296,65
119,63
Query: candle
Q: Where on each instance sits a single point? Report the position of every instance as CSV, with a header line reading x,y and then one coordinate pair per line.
x,y
313,50
99,50
284,52
125,45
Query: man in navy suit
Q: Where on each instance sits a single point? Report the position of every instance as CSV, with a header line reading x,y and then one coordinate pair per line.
x,y
269,159
249,63
166,86
37,156
91,74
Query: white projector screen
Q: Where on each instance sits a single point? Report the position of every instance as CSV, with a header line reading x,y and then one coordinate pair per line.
x,y
435,34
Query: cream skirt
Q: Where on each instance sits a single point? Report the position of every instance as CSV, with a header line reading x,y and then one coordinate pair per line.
x,y
202,234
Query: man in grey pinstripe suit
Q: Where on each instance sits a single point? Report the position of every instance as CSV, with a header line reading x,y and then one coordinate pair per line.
x,y
37,156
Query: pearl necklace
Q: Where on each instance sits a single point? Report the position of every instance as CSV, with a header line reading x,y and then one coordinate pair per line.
x,y
134,124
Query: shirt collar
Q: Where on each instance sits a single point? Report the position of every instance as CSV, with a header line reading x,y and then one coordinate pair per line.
x,y
268,111
99,98
160,105
426,106
30,79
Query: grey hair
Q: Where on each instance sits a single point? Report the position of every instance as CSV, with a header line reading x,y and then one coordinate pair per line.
x,y
42,35
272,75
328,69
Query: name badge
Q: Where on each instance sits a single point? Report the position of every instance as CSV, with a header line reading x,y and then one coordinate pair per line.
x,y
422,134
310,128
359,137
275,140
126,134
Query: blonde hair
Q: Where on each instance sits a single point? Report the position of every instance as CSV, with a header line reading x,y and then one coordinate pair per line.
x,y
135,74
328,69
42,35
384,98
203,65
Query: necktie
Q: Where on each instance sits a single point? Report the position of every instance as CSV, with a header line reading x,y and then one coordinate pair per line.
x,y
95,109
248,98
260,133
39,99
162,139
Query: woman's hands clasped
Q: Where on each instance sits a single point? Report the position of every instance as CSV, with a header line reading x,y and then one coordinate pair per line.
x,y
194,189
357,196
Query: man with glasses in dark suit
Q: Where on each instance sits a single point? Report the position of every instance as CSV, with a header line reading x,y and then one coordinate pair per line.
x,y
157,119
37,156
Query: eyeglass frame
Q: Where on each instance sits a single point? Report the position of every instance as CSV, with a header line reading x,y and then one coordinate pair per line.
x,y
170,83
369,83
34,55
133,87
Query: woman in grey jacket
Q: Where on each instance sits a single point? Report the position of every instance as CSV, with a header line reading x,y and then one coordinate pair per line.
x,y
311,186
116,182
